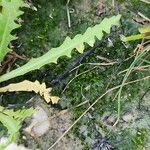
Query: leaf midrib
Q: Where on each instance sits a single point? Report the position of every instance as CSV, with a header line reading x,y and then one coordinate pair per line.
x,y
4,34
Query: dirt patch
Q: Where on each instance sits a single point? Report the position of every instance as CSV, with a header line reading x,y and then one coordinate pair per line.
x,y
59,123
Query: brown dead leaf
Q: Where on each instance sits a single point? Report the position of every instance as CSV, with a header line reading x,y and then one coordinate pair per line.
x,y
31,86
9,60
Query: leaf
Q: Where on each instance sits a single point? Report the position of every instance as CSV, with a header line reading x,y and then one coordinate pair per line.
x,y
144,29
11,124
10,12
31,86
144,33
65,49
12,121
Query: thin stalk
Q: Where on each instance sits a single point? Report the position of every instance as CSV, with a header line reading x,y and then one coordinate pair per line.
x,y
136,60
99,98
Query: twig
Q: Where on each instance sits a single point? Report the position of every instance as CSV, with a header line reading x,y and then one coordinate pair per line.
x,y
104,58
68,13
103,64
135,68
99,98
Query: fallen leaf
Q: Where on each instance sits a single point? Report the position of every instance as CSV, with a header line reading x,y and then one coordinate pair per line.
x,y
31,86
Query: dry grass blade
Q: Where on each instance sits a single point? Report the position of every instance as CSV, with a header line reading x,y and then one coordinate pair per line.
x,y
141,68
99,98
145,1
143,16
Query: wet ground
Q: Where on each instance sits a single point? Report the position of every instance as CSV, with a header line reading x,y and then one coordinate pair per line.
x,y
46,26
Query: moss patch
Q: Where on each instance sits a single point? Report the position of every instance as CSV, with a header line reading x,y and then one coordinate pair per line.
x,y
46,28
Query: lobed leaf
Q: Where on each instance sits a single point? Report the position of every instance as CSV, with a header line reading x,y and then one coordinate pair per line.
x,y
8,15
12,121
65,49
31,86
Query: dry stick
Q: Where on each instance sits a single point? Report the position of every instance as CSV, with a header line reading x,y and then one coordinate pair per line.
x,y
143,16
147,42
68,14
103,64
104,58
135,68
76,121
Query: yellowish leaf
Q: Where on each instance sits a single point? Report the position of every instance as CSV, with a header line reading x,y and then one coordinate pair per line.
x,y
80,48
31,86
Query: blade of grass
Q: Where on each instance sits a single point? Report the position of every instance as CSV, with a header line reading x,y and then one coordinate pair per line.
x,y
145,1
136,60
146,61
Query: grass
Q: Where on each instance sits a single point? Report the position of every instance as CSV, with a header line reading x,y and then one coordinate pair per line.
x,y
135,62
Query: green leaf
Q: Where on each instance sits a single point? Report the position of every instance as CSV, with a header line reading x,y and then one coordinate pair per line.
x,y
144,29
12,121
65,49
144,33
10,12
11,124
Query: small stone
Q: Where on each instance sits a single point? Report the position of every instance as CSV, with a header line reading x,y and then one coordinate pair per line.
x,y
12,146
127,117
39,124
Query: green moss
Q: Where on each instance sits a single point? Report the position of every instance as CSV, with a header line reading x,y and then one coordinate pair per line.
x,y
141,137
46,28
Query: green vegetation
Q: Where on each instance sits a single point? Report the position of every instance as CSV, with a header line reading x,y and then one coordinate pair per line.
x,y
65,49
46,26
9,13
12,120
